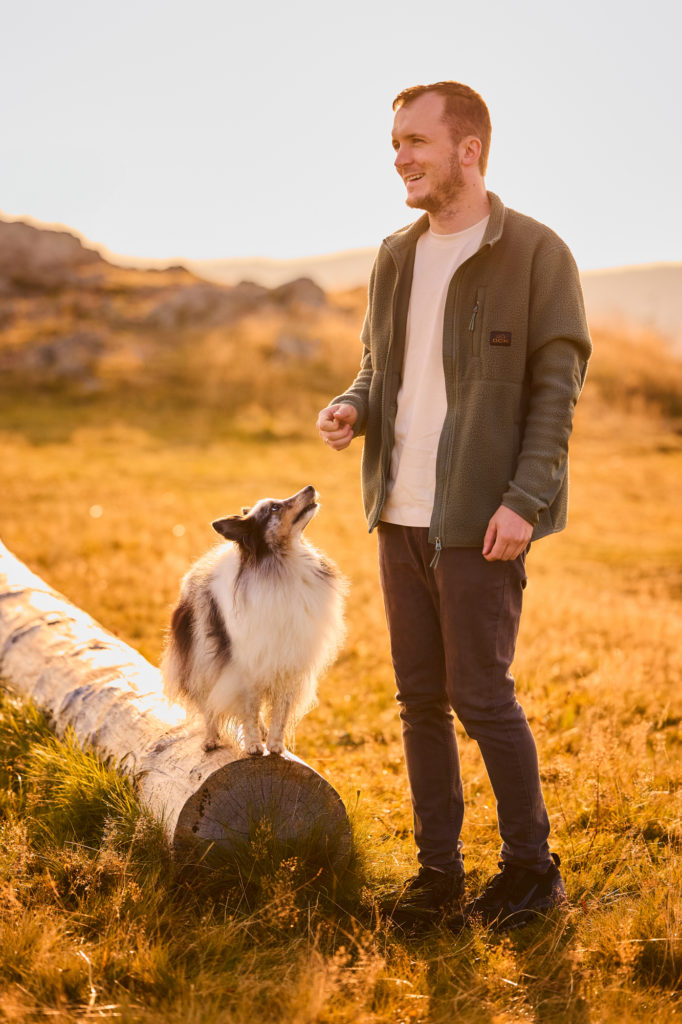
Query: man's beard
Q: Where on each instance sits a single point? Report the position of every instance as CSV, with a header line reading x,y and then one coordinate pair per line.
x,y
445,193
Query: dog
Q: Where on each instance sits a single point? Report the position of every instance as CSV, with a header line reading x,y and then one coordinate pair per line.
x,y
257,620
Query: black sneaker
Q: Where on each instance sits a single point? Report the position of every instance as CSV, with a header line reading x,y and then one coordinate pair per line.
x,y
514,896
424,899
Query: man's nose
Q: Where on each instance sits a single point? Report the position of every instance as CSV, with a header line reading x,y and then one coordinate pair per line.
x,y
401,158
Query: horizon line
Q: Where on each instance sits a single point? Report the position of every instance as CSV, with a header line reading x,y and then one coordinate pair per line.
x,y
160,262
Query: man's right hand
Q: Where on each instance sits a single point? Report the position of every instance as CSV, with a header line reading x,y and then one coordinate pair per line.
x,y
335,425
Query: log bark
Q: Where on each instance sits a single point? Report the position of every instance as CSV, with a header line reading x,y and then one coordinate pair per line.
x,y
86,678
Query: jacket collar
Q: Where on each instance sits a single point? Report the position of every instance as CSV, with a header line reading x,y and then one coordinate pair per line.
x,y
402,242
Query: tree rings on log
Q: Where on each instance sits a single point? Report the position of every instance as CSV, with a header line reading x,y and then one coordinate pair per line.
x,y
304,814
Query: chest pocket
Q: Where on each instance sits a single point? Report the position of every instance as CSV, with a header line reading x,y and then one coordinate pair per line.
x,y
497,339
503,353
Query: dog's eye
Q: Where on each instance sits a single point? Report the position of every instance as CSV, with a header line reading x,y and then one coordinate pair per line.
x,y
275,508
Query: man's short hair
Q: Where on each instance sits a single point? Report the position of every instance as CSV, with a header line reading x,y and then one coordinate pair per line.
x,y
465,111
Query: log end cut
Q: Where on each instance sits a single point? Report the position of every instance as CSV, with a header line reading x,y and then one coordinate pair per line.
x,y
303,813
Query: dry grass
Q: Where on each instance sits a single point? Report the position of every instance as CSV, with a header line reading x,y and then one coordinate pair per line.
x,y
93,924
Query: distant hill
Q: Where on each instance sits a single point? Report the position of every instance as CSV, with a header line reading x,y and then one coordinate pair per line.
x,y
69,317
648,296
333,272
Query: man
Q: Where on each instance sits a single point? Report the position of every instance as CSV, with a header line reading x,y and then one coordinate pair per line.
x,y
475,350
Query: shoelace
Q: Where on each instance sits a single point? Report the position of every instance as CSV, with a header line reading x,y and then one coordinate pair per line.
x,y
499,885
418,880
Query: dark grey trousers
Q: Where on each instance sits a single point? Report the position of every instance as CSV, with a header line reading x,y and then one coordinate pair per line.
x,y
453,632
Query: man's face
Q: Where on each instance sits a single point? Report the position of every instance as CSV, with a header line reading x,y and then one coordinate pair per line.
x,y
426,156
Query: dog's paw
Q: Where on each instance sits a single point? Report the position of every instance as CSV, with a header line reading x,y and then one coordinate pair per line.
x,y
276,747
255,749
210,744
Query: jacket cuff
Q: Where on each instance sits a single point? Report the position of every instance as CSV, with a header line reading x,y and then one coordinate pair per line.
x,y
522,503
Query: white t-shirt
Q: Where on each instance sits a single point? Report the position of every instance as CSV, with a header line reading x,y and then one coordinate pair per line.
x,y
422,402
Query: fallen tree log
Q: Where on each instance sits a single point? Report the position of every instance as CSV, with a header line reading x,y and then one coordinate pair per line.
x,y
87,679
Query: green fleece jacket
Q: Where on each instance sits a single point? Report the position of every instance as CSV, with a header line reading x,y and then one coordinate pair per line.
x,y
515,351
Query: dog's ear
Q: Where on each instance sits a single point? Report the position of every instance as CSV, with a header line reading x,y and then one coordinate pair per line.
x,y
232,527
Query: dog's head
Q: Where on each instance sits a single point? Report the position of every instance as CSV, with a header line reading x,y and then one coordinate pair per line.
x,y
271,525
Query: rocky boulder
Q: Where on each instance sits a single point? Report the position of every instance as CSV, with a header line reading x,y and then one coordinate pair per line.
x,y
301,292
204,305
40,258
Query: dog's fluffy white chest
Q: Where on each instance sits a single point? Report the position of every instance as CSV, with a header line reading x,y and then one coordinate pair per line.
x,y
281,617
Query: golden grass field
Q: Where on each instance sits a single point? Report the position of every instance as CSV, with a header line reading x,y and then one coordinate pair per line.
x,y
109,495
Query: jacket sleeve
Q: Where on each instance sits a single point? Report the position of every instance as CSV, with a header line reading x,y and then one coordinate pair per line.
x,y
357,394
559,347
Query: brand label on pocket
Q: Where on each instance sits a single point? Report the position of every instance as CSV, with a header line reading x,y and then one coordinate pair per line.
x,y
500,337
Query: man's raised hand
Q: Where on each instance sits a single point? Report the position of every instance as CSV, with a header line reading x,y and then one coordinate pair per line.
x,y
335,425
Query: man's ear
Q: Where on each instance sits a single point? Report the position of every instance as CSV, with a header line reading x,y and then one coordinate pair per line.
x,y
232,527
469,150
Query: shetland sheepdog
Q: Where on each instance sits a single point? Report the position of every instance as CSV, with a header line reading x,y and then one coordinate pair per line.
x,y
257,620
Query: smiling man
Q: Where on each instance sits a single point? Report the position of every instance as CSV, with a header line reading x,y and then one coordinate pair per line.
x,y
475,351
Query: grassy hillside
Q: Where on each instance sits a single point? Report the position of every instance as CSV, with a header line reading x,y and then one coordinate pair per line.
x,y
109,493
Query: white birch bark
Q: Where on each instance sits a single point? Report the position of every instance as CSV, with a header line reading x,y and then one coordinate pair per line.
x,y
86,678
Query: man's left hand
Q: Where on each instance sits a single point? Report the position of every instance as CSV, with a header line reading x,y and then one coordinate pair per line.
x,y
508,534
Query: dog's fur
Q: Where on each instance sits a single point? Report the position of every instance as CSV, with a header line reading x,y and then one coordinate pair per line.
x,y
257,620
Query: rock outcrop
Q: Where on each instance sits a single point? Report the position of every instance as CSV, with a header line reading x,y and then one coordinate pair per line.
x,y
40,258
69,317
205,305
302,292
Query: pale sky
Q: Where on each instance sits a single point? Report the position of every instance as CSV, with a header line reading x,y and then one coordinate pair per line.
x,y
210,128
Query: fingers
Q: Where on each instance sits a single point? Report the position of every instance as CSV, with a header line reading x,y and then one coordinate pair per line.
x,y
335,425
337,439
499,548
337,414
489,539
329,420
337,432
496,546
501,552
325,420
508,534
338,446
345,414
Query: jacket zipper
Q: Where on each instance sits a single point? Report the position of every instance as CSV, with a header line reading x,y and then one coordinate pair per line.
x,y
439,545
448,459
436,558
382,494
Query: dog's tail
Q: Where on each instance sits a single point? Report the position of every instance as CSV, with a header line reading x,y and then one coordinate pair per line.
x,y
177,656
